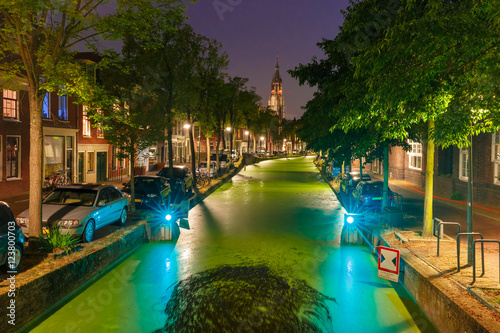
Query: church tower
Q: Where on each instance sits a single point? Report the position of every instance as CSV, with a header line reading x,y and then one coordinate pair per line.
x,y
276,101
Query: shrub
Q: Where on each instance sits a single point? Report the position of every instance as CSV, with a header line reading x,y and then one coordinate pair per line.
x,y
55,240
457,195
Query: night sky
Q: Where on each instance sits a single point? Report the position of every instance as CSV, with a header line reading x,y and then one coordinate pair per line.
x,y
253,32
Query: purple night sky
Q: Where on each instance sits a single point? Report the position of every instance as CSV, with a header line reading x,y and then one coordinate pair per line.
x,y
252,32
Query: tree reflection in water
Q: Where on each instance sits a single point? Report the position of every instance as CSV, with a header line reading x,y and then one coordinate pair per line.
x,y
246,299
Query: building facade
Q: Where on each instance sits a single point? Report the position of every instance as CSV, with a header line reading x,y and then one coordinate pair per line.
x,y
451,168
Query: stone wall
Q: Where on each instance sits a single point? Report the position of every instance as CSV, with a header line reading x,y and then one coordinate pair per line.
x,y
43,294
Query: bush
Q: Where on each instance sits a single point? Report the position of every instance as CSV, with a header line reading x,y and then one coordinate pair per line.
x,y
55,240
457,195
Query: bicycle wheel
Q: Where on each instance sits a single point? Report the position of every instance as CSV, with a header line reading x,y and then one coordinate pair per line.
x,y
199,182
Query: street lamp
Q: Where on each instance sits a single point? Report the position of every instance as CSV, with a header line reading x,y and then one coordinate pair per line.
x,y
248,141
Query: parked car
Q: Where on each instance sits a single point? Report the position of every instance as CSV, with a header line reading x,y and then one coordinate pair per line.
x,y
182,176
81,209
202,167
224,161
369,195
11,240
350,180
150,191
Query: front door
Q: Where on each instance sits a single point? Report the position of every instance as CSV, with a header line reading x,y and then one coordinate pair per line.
x,y
80,167
101,166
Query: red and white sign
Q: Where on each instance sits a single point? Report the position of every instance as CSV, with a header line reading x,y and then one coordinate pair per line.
x,y
388,263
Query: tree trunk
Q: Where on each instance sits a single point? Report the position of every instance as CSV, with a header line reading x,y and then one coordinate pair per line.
x,y
36,167
132,178
429,181
191,141
385,196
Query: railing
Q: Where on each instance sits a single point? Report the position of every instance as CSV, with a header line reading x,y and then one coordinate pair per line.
x,y
438,227
474,257
398,200
440,232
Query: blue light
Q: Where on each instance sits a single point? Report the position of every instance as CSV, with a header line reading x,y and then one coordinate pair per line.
x,y
168,217
350,219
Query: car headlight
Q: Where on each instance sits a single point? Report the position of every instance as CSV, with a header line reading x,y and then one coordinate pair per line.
x,y
69,223
22,221
152,195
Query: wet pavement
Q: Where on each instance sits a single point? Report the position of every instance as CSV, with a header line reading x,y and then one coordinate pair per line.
x,y
264,253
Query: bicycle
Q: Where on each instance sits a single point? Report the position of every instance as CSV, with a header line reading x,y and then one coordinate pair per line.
x,y
202,180
62,178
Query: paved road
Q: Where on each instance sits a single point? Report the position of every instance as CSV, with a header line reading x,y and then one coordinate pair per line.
x,y
264,253
486,220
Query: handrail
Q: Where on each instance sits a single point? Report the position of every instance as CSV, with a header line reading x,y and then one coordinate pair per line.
x,y
458,246
438,235
398,200
474,257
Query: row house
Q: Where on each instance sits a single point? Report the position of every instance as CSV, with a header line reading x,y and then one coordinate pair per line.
x,y
14,141
451,165
70,142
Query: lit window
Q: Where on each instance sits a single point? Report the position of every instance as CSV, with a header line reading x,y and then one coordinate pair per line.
x,y
415,155
63,107
13,160
46,106
85,123
90,161
10,104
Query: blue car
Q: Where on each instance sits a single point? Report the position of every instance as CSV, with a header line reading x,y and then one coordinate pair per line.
x,y
11,240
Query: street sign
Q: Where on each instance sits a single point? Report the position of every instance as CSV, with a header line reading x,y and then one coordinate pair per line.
x,y
388,263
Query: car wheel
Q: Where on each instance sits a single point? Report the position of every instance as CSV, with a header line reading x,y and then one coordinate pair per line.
x,y
88,233
123,216
14,266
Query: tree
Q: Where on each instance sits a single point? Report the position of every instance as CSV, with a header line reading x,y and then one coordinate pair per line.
x,y
36,38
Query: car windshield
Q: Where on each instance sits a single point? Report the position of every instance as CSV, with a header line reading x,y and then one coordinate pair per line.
x,y
178,172
145,182
373,189
74,197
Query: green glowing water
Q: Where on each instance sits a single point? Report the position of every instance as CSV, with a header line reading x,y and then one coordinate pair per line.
x,y
278,214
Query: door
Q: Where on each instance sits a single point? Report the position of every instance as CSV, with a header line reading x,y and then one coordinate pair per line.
x,y
80,167
101,166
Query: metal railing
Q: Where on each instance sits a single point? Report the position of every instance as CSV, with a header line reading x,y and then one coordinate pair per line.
x,y
440,229
458,246
398,200
474,257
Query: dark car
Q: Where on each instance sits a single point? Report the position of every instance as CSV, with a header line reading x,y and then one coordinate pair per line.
x,y
369,195
150,191
350,180
182,176
11,239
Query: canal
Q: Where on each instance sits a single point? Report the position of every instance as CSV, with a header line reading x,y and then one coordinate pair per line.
x,y
264,253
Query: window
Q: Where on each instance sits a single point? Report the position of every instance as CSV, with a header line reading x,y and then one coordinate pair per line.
x,y
53,149
63,107
90,161
415,155
10,104
464,165
13,160
100,132
496,157
46,106
85,123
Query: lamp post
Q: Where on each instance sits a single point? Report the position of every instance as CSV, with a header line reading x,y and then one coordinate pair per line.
x,y
260,144
247,133
187,126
